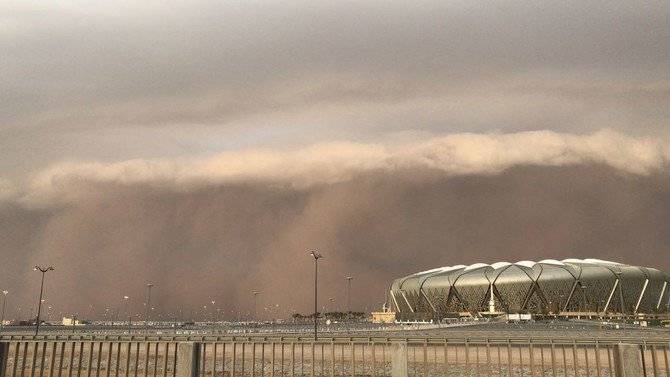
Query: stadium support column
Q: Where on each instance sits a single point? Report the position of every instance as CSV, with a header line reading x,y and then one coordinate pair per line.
x,y
492,302
639,300
609,298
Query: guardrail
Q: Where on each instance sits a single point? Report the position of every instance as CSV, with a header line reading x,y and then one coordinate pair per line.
x,y
155,356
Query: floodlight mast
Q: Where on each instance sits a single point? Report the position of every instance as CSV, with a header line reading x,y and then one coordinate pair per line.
x,y
43,270
316,255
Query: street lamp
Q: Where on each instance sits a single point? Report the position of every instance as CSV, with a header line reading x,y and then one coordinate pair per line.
x,y
39,303
4,301
316,255
125,311
349,279
255,293
146,314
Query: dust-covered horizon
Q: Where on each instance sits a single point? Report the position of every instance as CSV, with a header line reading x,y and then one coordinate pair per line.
x,y
222,238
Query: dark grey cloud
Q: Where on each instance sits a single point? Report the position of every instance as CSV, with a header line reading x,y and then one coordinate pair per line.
x,y
260,71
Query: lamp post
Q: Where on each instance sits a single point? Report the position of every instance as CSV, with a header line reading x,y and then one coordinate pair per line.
x,y
146,314
4,301
255,293
316,255
125,311
39,303
349,279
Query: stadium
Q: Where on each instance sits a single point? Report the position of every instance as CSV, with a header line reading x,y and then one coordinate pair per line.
x,y
567,288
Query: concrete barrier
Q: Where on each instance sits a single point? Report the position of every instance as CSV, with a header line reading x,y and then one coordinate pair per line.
x,y
188,359
399,359
628,360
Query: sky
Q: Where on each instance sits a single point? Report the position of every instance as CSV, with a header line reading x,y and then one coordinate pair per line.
x,y
205,146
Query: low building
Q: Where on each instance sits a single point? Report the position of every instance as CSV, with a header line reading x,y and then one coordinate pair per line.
x,y
71,321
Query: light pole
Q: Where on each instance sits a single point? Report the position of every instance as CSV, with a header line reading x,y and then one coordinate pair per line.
x,y
39,303
4,301
146,314
349,279
255,293
315,254
125,311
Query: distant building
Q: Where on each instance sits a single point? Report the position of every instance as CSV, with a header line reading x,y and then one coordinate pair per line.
x,y
548,288
71,321
383,317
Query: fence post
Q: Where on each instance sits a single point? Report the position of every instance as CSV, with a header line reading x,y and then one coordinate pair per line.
x,y
627,360
4,351
188,359
399,359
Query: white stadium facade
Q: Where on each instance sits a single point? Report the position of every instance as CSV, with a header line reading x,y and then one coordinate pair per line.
x,y
569,288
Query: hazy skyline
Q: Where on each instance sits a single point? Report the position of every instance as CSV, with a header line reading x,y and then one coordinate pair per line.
x,y
215,142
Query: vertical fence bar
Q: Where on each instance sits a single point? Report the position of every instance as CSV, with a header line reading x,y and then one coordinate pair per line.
x,y
52,362
34,359
213,359
110,350
4,356
99,360
90,359
609,360
553,358
147,351
292,359
137,357
586,360
23,359
174,359
332,359
665,356
575,360
166,349
467,356
532,359
272,360
654,362
156,359
509,359
223,365
42,358
281,369
353,359
60,359
244,343
446,357
127,371
234,344
253,359
597,359
80,357
17,349
565,362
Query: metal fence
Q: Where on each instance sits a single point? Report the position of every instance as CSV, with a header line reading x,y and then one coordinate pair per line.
x,y
74,356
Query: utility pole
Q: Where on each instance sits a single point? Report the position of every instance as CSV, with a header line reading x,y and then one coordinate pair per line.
x,y
39,303
315,254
